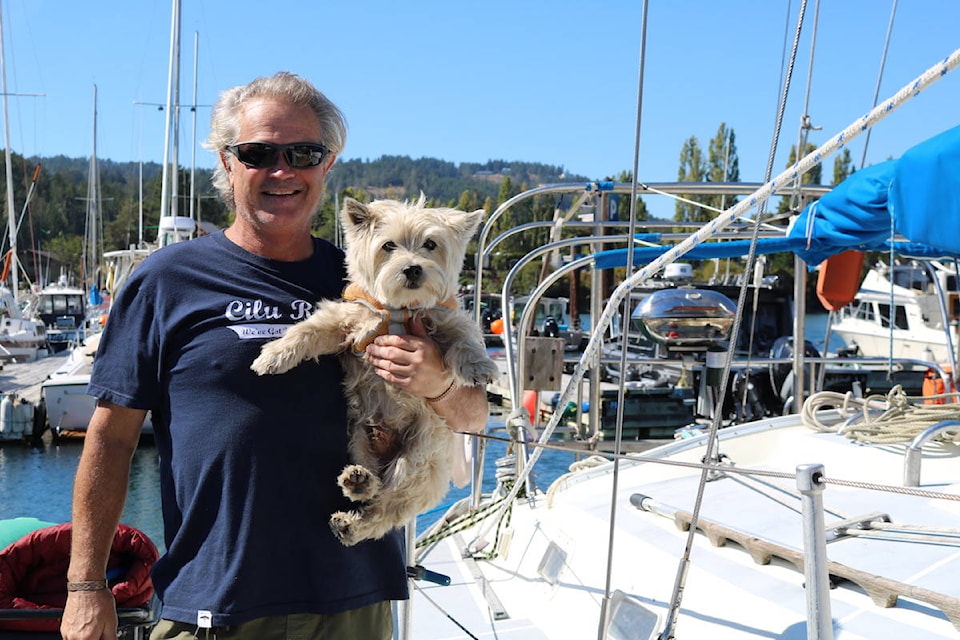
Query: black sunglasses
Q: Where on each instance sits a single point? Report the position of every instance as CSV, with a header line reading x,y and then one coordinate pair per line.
x,y
263,155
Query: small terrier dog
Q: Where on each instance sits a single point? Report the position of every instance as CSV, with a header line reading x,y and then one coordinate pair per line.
x,y
403,259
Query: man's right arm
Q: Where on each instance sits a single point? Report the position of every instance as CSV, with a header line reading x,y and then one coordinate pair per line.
x,y
99,492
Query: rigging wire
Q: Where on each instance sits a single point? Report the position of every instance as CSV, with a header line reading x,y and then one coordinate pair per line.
x,y
713,443
624,331
876,91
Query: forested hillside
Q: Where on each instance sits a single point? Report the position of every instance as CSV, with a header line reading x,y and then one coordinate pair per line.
x,y
52,227
53,224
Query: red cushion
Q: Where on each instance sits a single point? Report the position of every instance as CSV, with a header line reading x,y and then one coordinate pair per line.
x,y
33,572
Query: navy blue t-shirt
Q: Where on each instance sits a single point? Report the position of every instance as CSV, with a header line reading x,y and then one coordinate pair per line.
x,y
248,464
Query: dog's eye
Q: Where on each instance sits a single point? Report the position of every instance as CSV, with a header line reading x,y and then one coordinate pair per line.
x,y
389,246
429,245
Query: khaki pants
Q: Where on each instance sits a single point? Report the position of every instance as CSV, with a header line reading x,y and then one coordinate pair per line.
x,y
367,623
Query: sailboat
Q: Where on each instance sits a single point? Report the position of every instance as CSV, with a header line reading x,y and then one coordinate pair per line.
x,y
71,312
838,520
22,337
67,405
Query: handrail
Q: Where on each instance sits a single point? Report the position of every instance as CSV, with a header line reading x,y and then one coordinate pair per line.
x,y
914,453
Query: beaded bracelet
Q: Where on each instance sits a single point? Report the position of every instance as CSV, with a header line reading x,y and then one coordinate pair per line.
x,y
88,585
453,383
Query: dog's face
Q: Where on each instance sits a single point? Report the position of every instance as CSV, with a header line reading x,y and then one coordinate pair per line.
x,y
405,254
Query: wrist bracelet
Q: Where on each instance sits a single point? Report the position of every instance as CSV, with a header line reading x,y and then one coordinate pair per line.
x,y
453,384
88,585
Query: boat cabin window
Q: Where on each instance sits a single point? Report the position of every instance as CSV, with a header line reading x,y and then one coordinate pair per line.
x,y
911,277
61,303
899,322
862,310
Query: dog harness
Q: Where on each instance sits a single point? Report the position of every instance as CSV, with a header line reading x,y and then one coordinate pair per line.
x,y
397,320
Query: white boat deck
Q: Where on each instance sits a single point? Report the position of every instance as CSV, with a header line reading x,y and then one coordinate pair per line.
x,y
741,583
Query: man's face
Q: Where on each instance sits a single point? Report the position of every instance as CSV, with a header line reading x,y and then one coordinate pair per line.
x,y
277,198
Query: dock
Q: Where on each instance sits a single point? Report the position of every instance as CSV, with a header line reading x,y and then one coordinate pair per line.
x,y
26,377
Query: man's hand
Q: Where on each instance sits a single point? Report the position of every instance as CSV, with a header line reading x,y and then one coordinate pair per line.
x,y
412,362
89,615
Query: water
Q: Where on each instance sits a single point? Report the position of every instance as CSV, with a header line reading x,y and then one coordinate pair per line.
x,y
38,482
815,330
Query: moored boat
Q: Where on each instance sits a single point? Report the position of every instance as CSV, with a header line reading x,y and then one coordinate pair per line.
x,y
23,338
906,310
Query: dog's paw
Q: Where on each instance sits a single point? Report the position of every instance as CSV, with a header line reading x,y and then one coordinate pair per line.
x,y
358,483
274,359
480,373
341,523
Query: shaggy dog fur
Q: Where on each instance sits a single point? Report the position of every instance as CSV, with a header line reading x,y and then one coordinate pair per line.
x,y
407,258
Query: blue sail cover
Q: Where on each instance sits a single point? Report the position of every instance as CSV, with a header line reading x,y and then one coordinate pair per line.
x,y
916,197
925,194
853,215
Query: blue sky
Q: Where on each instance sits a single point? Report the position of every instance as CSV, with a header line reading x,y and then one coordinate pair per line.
x,y
553,82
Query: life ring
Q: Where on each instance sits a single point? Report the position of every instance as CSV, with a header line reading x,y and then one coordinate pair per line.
x,y
839,279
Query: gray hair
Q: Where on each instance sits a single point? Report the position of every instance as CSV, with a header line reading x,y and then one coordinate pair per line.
x,y
283,85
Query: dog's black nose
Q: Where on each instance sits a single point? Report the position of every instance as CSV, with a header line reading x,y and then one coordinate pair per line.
x,y
413,274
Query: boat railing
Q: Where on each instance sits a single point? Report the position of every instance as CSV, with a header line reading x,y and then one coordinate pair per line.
x,y
914,453
944,314
134,623
521,426
515,334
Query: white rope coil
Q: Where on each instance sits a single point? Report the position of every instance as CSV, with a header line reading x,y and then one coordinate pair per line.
x,y
881,419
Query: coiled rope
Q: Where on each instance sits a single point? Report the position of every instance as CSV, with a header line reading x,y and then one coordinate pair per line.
x,y
879,419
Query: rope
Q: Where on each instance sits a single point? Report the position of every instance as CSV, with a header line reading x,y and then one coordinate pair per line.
x,y
465,522
879,419
575,468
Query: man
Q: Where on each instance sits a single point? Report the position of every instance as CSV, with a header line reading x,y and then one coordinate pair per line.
x,y
248,464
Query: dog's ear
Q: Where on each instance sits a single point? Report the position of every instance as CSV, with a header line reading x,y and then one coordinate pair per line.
x,y
355,214
472,222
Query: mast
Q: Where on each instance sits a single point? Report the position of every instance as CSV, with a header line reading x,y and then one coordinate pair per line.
x,y
93,240
168,181
11,214
193,145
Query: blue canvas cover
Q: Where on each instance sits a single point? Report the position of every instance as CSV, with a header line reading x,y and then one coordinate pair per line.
x,y
853,215
925,192
916,198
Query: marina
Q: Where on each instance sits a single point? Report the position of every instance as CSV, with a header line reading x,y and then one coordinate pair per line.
x,y
679,446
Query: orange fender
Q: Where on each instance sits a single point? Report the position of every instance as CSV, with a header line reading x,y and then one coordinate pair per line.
x,y
839,279
6,266
530,400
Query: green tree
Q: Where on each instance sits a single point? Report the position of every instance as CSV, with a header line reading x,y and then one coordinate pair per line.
x,y
723,165
791,202
693,168
623,203
842,166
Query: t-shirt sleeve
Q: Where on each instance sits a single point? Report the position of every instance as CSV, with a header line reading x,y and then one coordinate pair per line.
x,y
127,361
